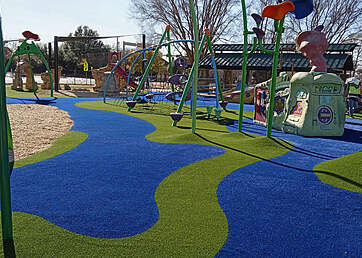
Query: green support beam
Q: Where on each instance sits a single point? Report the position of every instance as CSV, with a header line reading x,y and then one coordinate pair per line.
x,y
6,213
246,33
211,50
189,81
279,29
149,65
196,64
170,69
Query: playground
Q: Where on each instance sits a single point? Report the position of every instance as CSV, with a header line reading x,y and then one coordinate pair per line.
x,y
122,166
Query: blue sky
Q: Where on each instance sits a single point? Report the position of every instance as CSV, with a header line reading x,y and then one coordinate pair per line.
x,y
61,17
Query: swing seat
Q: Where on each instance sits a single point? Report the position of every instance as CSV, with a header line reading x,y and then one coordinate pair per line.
x,y
176,116
177,79
171,96
223,104
278,11
149,96
131,103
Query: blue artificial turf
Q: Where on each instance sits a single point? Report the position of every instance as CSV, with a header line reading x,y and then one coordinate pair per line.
x,y
282,209
278,208
105,187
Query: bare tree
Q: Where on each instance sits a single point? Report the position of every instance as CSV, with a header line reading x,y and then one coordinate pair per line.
x,y
267,24
218,16
340,19
342,22
357,53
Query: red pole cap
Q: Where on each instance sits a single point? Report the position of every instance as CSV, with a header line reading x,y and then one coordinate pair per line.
x,y
29,35
168,27
207,32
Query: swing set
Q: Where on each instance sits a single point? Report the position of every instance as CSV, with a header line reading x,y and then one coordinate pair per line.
x,y
185,82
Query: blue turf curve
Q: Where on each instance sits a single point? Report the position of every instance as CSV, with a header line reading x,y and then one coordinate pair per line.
x,y
282,209
105,187
278,209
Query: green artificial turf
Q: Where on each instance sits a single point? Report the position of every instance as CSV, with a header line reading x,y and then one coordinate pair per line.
x,y
65,143
344,172
191,222
23,94
355,115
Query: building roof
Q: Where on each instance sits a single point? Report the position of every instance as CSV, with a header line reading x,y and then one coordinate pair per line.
x,y
341,48
262,61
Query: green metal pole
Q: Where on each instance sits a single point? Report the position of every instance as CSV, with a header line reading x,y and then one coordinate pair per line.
x,y
196,64
274,75
188,83
211,50
6,214
170,70
149,65
245,61
10,144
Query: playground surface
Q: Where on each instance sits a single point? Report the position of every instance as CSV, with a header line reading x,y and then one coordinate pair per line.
x,y
131,185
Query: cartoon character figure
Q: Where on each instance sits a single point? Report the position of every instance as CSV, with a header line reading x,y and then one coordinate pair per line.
x,y
313,44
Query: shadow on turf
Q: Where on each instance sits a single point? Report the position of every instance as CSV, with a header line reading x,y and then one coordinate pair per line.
x,y
213,130
303,151
9,248
350,135
345,179
37,101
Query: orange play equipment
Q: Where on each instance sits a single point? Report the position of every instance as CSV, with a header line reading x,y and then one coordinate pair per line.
x,y
100,75
278,11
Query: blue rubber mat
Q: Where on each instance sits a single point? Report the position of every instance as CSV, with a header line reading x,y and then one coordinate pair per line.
x,y
105,187
279,208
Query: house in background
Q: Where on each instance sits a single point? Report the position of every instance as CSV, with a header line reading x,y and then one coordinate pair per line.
x,y
229,59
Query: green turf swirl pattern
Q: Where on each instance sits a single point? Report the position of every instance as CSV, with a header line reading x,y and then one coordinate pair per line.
x,y
191,222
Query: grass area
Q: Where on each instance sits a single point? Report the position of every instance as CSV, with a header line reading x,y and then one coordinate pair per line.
x,y
355,115
41,93
24,94
191,222
344,172
63,144
79,86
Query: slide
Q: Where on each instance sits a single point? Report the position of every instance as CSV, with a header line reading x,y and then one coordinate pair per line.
x,y
124,75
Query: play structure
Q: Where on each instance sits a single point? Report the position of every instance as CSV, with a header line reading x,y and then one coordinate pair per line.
x,y
300,9
119,83
182,80
310,104
261,103
27,49
234,95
